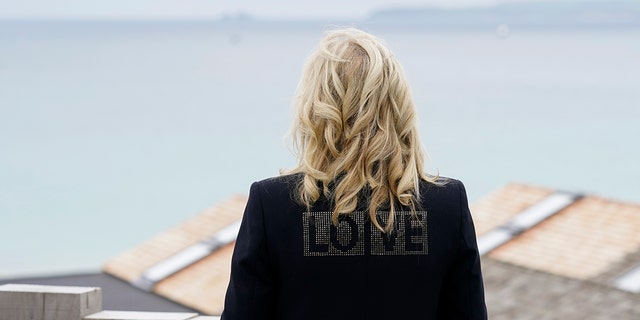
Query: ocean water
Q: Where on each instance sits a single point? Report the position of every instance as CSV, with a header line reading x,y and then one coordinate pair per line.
x,y
113,132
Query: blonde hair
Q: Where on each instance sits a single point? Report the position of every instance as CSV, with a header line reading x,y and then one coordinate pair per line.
x,y
355,128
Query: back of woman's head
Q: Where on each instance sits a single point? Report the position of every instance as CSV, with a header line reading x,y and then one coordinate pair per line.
x,y
355,128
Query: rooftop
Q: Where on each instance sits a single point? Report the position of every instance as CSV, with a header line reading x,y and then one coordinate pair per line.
x,y
545,252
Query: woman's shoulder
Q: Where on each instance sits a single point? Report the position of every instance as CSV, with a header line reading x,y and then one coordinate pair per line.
x,y
278,184
441,182
443,189
286,179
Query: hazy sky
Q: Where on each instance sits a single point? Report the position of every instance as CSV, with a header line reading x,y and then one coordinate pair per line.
x,y
186,9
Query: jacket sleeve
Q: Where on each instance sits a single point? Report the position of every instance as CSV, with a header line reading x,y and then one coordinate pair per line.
x,y
251,290
462,294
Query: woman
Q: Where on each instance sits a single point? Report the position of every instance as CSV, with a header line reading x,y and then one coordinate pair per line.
x,y
357,230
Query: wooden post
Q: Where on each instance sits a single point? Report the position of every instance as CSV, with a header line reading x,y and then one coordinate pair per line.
x,y
35,302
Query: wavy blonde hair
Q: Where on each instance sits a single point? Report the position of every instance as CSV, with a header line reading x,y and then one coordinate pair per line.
x,y
354,130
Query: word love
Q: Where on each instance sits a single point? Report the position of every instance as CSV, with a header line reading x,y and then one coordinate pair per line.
x,y
355,235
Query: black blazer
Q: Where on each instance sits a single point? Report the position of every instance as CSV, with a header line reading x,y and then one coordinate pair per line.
x,y
293,264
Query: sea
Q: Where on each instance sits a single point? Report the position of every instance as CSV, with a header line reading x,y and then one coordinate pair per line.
x,y
112,132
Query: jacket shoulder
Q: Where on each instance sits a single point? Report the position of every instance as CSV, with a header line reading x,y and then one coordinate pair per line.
x,y
441,185
444,194
289,180
278,186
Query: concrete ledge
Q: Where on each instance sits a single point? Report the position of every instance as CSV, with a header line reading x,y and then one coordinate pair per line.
x,y
135,315
24,301
36,302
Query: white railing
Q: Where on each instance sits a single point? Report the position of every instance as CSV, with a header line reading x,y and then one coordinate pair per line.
x,y
35,302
